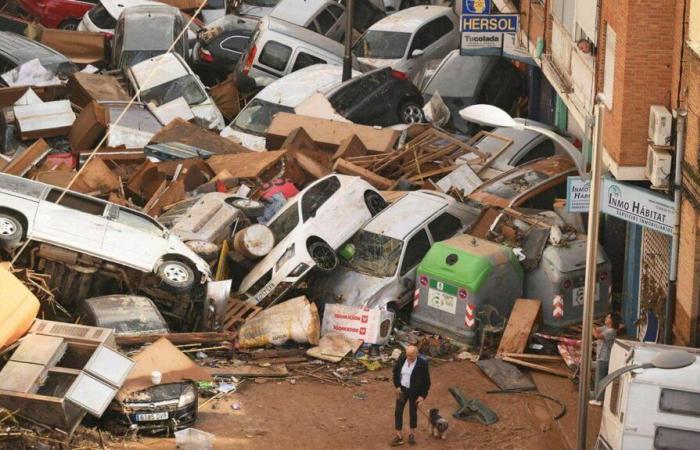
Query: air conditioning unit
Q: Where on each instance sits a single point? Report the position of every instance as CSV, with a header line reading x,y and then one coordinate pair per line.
x,y
658,169
659,125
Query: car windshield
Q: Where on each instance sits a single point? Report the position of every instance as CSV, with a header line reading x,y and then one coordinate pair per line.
x,y
186,86
285,222
262,3
515,184
382,45
375,254
257,116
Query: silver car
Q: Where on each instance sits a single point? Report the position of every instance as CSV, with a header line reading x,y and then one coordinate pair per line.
x,y
44,213
381,269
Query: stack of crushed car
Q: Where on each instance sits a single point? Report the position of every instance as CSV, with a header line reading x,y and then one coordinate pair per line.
x,y
157,209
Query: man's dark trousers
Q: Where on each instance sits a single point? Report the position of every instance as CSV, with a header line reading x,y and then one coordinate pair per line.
x,y
401,401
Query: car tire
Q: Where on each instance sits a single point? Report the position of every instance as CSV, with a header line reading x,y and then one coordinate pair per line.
x,y
375,202
410,112
251,208
69,24
324,256
176,276
11,230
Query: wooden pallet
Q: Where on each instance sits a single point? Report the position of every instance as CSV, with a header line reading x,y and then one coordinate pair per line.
x,y
238,312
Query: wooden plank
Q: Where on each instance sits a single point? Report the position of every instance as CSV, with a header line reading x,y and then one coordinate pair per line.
x,y
519,326
188,133
532,356
178,338
282,360
245,165
311,166
275,370
278,353
432,173
552,370
349,168
99,177
25,160
350,147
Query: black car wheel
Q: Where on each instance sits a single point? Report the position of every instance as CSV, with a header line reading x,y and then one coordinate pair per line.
x,y
176,276
69,24
324,256
375,203
410,112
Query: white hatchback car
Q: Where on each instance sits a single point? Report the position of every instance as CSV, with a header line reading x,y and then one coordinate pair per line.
x,y
408,39
172,78
386,252
308,230
32,210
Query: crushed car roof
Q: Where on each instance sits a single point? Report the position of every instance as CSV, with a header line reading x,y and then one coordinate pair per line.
x,y
410,19
402,217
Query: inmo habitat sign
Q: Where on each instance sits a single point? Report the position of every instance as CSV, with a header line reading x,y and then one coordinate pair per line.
x,y
626,202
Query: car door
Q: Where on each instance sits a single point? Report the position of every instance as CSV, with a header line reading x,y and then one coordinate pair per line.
x,y
415,249
71,220
366,99
134,239
231,46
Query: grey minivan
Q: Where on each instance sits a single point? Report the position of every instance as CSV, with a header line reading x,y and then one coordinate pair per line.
x,y
145,31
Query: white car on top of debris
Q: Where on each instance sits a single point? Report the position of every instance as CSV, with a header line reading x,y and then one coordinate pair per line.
x,y
165,78
44,213
308,230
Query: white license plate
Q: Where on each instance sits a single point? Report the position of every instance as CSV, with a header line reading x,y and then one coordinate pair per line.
x,y
577,297
264,292
149,417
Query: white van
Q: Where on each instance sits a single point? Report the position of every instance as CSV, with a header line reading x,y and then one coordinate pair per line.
x,y
650,408
282,95
278,48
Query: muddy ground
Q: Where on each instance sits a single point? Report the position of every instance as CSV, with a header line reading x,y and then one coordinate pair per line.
x,y
311,415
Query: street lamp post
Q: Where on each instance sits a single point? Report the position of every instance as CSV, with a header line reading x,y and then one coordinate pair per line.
x,y
496,117
347,57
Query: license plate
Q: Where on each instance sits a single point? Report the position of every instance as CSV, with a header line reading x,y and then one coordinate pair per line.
x,y
264,292
577,298
442,301
149,417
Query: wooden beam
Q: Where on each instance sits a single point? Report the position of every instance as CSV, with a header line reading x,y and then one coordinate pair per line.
x,y
348,168
551,370
177,338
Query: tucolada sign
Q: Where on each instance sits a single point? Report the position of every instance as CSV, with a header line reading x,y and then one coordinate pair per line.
x,y
626,202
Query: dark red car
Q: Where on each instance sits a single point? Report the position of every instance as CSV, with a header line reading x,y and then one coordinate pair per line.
x,y
65,14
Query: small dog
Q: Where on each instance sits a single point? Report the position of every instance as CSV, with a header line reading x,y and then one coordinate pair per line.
x,y
438,424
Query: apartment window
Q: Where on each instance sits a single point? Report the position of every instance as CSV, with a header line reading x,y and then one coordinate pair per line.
x,y
565,12
609,71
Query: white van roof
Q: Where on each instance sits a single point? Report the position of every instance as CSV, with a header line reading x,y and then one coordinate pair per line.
x,y
684,379
409,20
399,219
308,37
298,12
291,90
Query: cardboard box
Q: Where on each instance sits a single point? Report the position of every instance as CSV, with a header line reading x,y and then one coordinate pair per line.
x,y
358,323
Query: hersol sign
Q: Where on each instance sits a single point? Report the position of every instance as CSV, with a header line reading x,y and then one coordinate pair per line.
x,y
637,205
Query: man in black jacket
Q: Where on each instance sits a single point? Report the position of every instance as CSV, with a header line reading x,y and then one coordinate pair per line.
x,y
412,383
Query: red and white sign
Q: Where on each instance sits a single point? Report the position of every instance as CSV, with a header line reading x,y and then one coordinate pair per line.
x,y
356,323
558,307
469,316
416,298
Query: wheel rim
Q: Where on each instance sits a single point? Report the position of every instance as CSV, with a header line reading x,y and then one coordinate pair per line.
x,y
324,257
70,26
7,227
412,114
176,273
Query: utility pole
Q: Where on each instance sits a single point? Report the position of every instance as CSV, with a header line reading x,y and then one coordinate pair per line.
x,y
347,57
590,278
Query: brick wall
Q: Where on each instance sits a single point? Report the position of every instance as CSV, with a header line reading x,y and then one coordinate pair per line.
x,y
644,60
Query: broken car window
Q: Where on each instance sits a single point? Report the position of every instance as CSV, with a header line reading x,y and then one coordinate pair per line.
x,y
515,184
73,201
257,116
139,222
285,223
375,254
416,248
382,45
186,86
317,195
444,227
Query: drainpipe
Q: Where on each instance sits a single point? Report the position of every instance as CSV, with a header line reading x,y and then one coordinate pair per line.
x,y
670,307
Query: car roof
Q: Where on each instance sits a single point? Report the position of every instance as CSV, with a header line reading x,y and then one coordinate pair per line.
x,y
293,89
171,67
309,37
297,11
115,7
399,219
20,50
410,19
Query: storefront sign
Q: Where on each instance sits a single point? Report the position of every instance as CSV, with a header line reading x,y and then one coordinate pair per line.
x,y
624,201
637,205
578,194
483,32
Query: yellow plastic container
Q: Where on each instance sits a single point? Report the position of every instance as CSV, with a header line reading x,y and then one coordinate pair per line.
x,y
18,307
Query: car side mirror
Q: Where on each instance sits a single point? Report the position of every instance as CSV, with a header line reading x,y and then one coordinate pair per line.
x,y
417,52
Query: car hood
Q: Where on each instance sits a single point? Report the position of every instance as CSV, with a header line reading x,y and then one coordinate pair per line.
x,y
351,288
250,141
209,115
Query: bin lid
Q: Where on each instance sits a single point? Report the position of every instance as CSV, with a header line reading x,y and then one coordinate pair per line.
x,y
467,261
